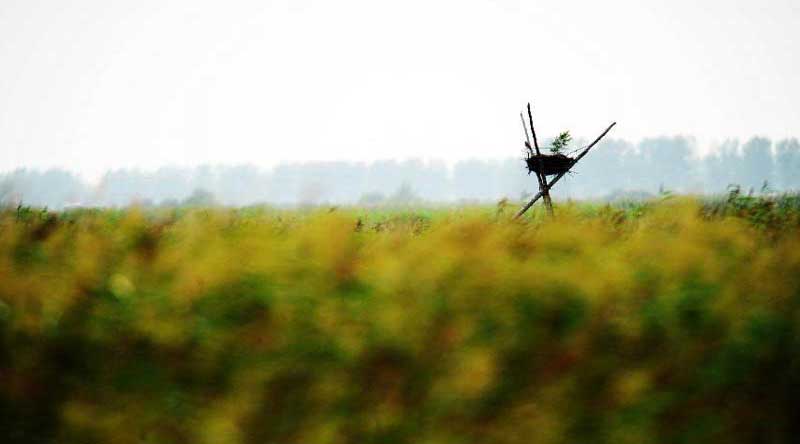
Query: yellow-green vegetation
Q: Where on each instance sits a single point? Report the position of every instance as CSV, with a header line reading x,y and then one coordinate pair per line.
x,y
674,321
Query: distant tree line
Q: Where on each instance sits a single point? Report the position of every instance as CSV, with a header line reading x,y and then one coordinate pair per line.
x,y
617,169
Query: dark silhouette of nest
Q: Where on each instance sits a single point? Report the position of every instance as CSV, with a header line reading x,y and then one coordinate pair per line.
x,y
552,164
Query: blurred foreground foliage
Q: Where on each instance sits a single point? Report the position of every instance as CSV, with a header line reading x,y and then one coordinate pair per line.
x,y
673,321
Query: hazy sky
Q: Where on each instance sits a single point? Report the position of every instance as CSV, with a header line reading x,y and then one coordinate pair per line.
x,y
97,84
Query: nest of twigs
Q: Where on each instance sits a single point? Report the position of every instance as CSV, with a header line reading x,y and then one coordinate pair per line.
x,y
551,164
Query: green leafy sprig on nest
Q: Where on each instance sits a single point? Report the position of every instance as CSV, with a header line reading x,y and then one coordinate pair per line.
x,y
560,142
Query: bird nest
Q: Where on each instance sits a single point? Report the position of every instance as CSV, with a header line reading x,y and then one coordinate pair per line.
x,y
550,164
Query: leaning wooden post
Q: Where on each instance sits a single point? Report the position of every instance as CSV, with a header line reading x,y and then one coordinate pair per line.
x,y
543,188
560,175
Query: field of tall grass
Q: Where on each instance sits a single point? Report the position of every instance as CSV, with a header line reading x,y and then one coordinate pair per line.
x,y
671,321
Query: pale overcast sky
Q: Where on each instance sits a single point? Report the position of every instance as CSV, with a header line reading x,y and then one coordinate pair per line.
x,y
96,84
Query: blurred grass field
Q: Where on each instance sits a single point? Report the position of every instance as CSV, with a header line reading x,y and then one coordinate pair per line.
x,y
671,321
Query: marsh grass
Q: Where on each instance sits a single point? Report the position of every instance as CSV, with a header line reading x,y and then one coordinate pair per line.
x,y
672,320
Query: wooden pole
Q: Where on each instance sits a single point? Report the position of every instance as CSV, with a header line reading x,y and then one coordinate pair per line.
x,y
560,175
527,138
544,190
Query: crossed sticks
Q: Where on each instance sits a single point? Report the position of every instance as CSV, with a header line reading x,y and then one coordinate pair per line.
x,y
544,187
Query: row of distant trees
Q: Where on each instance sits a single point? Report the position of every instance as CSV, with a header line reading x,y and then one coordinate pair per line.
x,y
616,168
